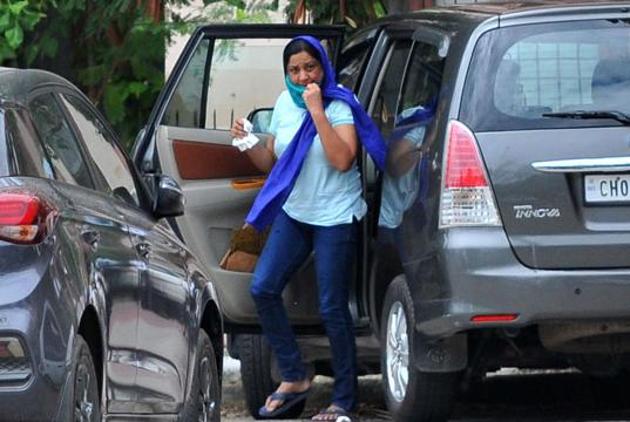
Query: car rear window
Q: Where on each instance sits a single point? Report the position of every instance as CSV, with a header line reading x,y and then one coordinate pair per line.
x,y
519,73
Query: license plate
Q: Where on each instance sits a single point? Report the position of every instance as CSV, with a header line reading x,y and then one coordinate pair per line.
x,y
603,188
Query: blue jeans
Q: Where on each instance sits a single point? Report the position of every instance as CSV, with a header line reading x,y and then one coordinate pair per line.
x,y
289,244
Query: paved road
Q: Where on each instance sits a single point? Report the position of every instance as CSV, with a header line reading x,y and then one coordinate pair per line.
x,y
508,397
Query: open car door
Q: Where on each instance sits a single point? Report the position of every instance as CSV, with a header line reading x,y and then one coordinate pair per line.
x,y
225,72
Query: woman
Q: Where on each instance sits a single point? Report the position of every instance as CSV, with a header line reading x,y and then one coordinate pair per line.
x,y
313,197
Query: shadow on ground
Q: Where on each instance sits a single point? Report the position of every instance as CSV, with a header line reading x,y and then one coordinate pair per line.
x,y
547,397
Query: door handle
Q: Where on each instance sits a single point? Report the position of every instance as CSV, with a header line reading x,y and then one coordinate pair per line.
x,y
245,184
144,249
91,237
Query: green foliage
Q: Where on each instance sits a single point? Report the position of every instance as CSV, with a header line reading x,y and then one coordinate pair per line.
x,y
115,48
231,11
17,18
354,13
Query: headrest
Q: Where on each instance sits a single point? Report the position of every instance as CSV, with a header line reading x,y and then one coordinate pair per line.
x,y
611,81
507,96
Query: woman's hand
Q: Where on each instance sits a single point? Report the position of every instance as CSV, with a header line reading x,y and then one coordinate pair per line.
x,y
238,130
313,98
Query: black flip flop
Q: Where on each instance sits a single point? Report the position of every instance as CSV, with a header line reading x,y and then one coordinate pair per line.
x,y
288,401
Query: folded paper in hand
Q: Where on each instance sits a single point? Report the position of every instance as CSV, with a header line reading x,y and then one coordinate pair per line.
x,y
249,140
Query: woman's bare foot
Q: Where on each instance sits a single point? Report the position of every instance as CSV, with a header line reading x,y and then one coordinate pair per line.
x,y
331,413
287,387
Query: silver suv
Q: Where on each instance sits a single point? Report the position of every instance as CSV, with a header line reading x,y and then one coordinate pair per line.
x,y
498,236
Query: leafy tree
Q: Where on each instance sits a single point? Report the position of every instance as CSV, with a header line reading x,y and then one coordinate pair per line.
x,y
16,18
354,13
114,49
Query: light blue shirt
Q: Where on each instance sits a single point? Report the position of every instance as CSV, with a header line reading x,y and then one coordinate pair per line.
x,y
322,195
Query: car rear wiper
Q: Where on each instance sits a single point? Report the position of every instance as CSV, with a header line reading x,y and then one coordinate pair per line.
x,y
583,114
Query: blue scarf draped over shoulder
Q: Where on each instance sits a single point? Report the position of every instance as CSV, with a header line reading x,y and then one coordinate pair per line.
x,y
282,177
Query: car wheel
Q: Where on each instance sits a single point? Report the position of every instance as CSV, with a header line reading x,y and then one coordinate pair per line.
x,y
411,395
204,404
85,398
255,355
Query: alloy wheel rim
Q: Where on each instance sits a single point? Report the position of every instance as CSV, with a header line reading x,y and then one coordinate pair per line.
x,y
207,403
84,407
397,352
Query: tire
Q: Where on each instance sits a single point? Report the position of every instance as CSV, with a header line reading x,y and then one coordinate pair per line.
x,y
410,394
86,404
258,384
204,402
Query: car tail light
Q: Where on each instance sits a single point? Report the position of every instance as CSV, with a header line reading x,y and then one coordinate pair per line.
x,y
23,217
467,198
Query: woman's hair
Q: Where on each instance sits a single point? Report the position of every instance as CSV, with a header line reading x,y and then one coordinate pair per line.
x,y
298,46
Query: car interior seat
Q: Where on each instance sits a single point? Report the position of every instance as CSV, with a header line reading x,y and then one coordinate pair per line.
x,y
508,92
610,84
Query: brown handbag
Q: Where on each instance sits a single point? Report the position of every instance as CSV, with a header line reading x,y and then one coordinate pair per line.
x,y
246,245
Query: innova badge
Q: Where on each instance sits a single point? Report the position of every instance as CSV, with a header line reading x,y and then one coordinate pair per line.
x,y
528,211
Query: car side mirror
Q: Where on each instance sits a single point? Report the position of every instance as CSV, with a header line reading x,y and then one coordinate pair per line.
x,y
169,198
261,119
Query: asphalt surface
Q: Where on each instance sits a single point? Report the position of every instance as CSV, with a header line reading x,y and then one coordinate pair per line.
x,y
509,396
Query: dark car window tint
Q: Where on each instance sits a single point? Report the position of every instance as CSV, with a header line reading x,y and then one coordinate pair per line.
x,y
406,177
59,141
108,157
25,151
384,109
352,64
536,69
424,78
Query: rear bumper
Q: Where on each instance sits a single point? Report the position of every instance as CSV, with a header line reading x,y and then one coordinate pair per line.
x,y
475,272
39,315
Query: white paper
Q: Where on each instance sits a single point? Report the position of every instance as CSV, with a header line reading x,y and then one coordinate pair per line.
x,y
249,140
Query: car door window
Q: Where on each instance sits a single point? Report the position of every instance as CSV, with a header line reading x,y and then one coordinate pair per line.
x,y
184,108
244,75
406,178
111,163
422,85
59,141
386,98
352,65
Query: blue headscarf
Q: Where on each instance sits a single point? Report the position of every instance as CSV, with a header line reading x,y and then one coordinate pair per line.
x,y
285,171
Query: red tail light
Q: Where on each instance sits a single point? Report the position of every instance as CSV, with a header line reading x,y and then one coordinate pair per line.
x,y
22,217
463,163
18,209
466,198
